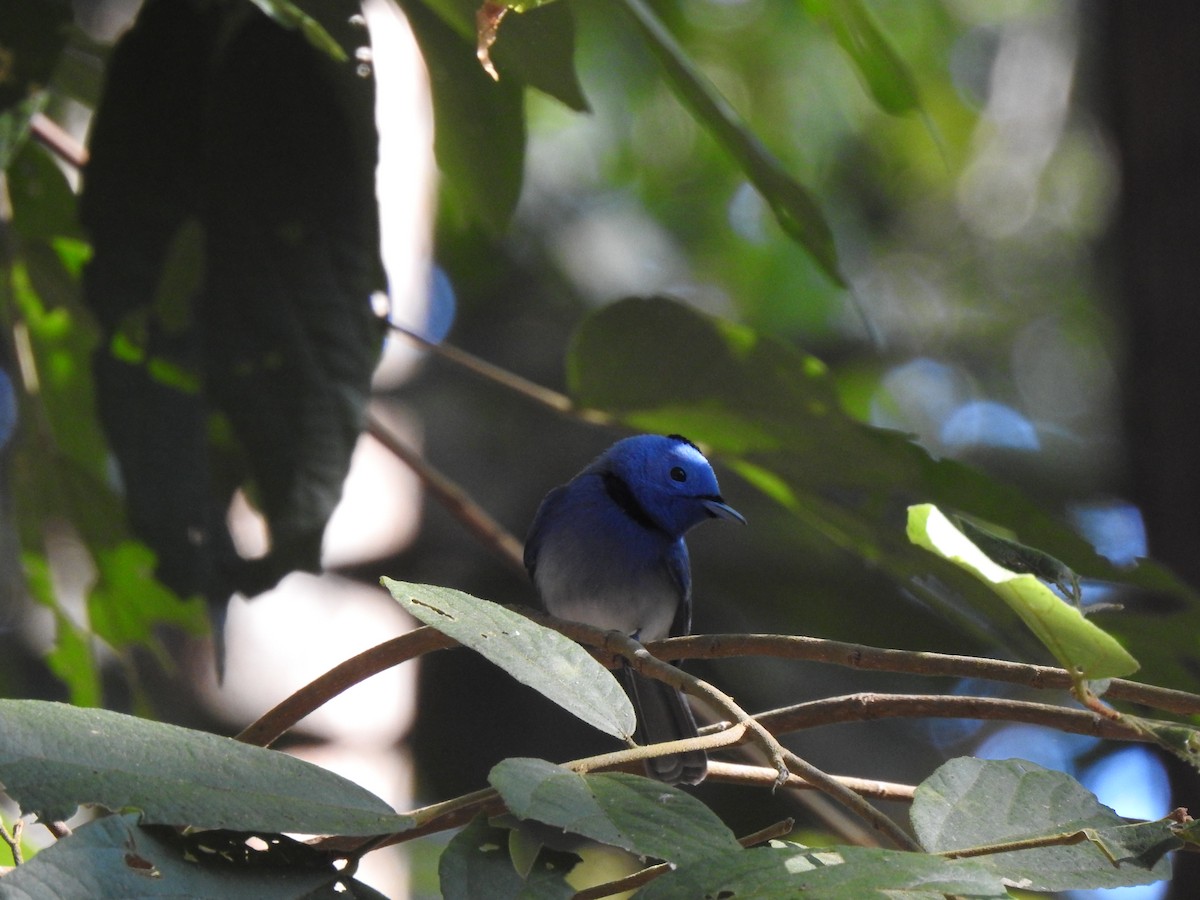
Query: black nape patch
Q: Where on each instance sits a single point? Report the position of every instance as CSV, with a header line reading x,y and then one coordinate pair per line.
x,y
682,440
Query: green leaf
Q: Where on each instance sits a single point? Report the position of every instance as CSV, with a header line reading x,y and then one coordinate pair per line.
x,y
1076,642
534,655
127,602
879,65
114,858
478,124
794,207
54,757
847,873
771,413
975,803
476,864
627,811
289,15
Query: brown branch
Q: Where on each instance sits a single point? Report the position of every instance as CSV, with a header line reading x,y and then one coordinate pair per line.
x,y
490,533
916,662
867,706
782,759
272,724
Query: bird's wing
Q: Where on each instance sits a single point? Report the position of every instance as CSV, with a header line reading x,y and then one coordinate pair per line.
x,y
681,573
533,541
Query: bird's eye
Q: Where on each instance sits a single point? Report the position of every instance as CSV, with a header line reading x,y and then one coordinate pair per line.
x,y
677,474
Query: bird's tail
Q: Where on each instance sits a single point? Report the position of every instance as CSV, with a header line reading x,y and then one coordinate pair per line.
x,y
663,715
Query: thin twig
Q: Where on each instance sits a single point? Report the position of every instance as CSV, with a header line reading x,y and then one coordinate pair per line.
x,y
58,141
490,533
764,776
544,396
781,758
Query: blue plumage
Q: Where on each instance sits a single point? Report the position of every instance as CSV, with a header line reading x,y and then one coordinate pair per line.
x,y
607,549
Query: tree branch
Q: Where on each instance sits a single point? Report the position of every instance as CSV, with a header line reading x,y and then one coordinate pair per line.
x,y
867,706
915,662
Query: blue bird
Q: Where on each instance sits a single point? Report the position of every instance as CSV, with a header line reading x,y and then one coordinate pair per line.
x,y
607,549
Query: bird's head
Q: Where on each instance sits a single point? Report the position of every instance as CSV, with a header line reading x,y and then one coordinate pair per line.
x,y
669,479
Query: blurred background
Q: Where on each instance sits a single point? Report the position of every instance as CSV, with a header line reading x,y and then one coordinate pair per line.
x,y
1020,284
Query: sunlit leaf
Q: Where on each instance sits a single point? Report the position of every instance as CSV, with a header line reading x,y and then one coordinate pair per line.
x,y
1076,642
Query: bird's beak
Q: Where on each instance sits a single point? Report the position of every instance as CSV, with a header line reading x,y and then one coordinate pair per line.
x,y
719,509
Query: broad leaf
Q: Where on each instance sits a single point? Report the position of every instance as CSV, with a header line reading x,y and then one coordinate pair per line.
x,y
114,858
1077,643
627,811
975,803
771,413
849,873
54,757
238,339
534,655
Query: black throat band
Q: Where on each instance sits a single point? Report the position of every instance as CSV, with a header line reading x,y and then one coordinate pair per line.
x,y
619,492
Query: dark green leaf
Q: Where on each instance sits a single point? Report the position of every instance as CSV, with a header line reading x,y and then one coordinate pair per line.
x,y
54,757
32,35
627,811
290,15
847,873
534,655
114,858
477,864
43,204
772,414
478,123
795,208
212,268
974,803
